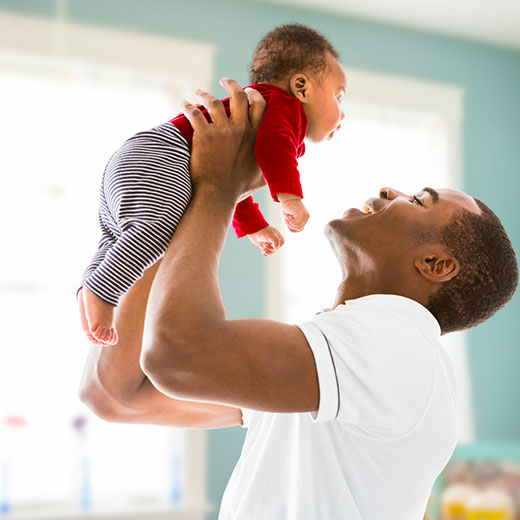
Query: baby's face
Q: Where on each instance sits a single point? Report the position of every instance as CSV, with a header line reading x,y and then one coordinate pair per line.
x,y
323,109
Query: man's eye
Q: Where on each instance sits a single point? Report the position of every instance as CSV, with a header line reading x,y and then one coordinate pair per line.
x,y
415,200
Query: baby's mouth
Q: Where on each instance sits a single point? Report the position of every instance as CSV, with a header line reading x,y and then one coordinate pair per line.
x,y
331,135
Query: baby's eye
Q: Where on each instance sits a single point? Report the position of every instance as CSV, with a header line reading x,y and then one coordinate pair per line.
x,y
415,200
339,97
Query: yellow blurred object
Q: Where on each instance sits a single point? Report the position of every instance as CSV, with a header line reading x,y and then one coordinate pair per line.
x,y
453,501
490,504
489,515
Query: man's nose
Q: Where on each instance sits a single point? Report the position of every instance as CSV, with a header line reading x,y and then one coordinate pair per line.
x,y
390,193
342,115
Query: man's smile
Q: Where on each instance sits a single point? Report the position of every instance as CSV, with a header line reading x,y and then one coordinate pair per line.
x,y
370,207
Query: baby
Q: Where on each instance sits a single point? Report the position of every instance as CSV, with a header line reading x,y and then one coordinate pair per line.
x,y
146,185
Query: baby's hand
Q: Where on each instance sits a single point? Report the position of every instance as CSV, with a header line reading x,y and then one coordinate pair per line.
x,y
295,214
268,240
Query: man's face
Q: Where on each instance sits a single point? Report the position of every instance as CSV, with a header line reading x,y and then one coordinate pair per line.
x,y
391,227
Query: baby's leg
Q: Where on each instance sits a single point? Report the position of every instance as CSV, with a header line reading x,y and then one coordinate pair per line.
x,y
100,317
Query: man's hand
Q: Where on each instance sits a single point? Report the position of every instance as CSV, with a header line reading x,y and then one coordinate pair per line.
x,y
222,154
268,240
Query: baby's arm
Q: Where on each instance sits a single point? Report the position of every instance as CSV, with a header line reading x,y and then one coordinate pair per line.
x,y
249,221
248,218
278,145
294,212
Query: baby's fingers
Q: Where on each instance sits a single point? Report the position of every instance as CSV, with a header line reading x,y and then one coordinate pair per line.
x,y
293,228
292,225
280,240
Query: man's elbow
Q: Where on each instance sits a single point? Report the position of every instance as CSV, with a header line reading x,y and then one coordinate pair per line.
x,y
100,403
169,363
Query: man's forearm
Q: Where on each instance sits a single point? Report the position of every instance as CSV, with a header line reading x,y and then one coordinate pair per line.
x,y
186,299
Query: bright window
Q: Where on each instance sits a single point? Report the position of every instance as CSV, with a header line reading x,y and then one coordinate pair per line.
x,y
61,122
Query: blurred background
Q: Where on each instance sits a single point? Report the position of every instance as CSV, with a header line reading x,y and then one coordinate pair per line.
x,y
433,100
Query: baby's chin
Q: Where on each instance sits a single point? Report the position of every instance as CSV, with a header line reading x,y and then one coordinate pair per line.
x,y
318,139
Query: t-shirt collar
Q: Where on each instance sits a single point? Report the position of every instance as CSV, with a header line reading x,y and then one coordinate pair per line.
x,y
406,303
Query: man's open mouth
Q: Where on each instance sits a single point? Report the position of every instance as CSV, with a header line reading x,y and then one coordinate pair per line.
x,y
368,209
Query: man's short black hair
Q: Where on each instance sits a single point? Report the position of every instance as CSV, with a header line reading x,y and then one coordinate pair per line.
x,y
488,275
289,49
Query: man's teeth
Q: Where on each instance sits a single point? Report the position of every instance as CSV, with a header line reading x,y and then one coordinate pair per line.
x,y
369,210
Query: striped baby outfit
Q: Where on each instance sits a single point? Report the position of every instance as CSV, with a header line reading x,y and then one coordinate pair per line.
x,y
145,190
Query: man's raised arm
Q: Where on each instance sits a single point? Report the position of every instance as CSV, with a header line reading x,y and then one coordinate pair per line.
x,y
190,350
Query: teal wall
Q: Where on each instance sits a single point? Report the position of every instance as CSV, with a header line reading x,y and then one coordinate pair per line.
x,y
491,154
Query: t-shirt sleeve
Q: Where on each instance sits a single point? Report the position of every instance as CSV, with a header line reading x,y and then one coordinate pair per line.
x,y
247,415
327,377
380,367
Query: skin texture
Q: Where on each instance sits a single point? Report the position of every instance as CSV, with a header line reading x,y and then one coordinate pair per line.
x,y
190,351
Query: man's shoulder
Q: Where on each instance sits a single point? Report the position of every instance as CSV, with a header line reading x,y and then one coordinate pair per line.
x,y
369,311
385,355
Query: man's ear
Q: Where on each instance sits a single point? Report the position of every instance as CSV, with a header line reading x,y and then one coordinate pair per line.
x,y
299,86
437,266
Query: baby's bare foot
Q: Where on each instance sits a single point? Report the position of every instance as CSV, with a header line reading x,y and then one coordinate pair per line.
x,y
100,318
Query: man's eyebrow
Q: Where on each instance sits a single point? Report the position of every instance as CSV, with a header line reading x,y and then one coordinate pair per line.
x,y
433,193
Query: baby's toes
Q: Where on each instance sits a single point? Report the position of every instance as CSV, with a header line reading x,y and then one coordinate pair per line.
x,y
112,337
100,333
115,337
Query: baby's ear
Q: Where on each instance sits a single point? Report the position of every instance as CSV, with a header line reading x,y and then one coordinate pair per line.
x,y
299,86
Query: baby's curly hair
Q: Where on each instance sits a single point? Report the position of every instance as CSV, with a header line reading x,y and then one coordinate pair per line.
x,y
289,49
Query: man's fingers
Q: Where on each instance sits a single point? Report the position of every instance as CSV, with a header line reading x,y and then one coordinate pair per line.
x,y
257,106
214,106
193,115
238,102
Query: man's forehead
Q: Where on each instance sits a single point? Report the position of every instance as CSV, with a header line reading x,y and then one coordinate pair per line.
x,y
460,198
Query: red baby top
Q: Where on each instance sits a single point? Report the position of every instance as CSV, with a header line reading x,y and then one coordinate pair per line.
x,y
279,143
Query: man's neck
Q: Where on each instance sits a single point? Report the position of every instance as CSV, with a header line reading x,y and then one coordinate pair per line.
x,y
352,287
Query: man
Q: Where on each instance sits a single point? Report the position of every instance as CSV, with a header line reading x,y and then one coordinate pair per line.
x,y
371,371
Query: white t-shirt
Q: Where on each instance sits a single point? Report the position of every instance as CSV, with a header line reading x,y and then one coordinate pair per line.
x,y
385,428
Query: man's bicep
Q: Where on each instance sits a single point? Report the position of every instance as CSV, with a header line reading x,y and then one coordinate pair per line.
x,y
257,364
